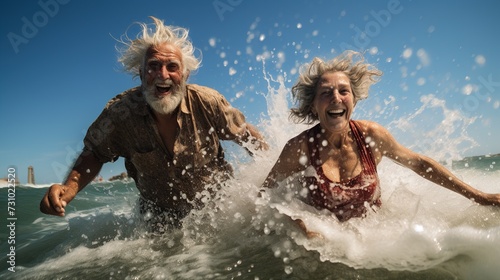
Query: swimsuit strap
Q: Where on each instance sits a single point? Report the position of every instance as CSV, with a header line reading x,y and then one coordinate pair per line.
x,y
367,159
312,144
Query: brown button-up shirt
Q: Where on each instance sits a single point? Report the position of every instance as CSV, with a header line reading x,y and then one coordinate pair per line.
x,y
126,128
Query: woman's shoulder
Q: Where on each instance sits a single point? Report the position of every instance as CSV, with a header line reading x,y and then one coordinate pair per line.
x,y
299,141
369,126
306,134
372,129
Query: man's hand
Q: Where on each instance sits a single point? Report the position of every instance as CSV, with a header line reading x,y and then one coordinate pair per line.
x,y
55,200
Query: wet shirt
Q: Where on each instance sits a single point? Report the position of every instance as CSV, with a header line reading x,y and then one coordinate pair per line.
x,y
126,128
348,198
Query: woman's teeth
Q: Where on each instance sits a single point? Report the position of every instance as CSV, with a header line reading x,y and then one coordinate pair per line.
x,y
336,112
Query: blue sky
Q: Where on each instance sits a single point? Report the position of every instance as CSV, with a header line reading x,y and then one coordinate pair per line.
x,y
60,65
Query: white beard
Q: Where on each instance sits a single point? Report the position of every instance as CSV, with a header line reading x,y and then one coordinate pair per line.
x,y
166,104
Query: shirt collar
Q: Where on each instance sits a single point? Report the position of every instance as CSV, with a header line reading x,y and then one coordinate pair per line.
x,y
184,107
143,107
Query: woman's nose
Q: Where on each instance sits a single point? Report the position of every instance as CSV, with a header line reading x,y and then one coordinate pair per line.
x,y
336,97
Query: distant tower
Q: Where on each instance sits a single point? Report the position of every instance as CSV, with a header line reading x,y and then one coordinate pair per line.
x,y
31,175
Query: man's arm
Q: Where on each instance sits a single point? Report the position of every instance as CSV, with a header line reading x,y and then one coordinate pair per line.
x,y
256,138
86,168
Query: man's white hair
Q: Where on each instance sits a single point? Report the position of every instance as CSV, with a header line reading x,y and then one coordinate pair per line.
x,y
133,55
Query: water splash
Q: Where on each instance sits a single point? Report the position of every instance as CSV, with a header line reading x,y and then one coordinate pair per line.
x,y
421,230
436,130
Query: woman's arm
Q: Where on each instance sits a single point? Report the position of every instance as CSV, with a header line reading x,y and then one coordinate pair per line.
x,y
293,159
425,166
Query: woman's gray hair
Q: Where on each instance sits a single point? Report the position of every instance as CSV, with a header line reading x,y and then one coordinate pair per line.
x,y
133,55
361,76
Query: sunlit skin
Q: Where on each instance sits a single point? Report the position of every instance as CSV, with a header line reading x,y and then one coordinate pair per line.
x,y
163,62
333,104
163,75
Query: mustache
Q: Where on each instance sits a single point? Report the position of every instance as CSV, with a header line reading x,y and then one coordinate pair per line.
x,y
161,82
150,88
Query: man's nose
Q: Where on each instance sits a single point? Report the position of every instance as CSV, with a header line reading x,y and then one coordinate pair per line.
x,y
163,73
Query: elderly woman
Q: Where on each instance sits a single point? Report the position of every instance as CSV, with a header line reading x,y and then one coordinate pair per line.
x,y
337,158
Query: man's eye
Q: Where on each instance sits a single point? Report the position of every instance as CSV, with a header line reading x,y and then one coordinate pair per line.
x,y
172,67
155,66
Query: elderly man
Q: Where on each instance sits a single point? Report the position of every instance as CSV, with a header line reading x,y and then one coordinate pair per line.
x,y
168,131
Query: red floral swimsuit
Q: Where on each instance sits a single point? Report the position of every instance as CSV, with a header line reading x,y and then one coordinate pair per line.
x,y
348,198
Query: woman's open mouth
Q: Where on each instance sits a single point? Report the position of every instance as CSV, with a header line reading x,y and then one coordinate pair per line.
x,y
336,113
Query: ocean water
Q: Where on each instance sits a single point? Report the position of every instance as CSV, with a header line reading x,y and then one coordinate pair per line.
x,y
421,231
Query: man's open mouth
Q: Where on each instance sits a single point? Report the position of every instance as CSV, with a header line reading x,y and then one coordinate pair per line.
x,y
163,89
